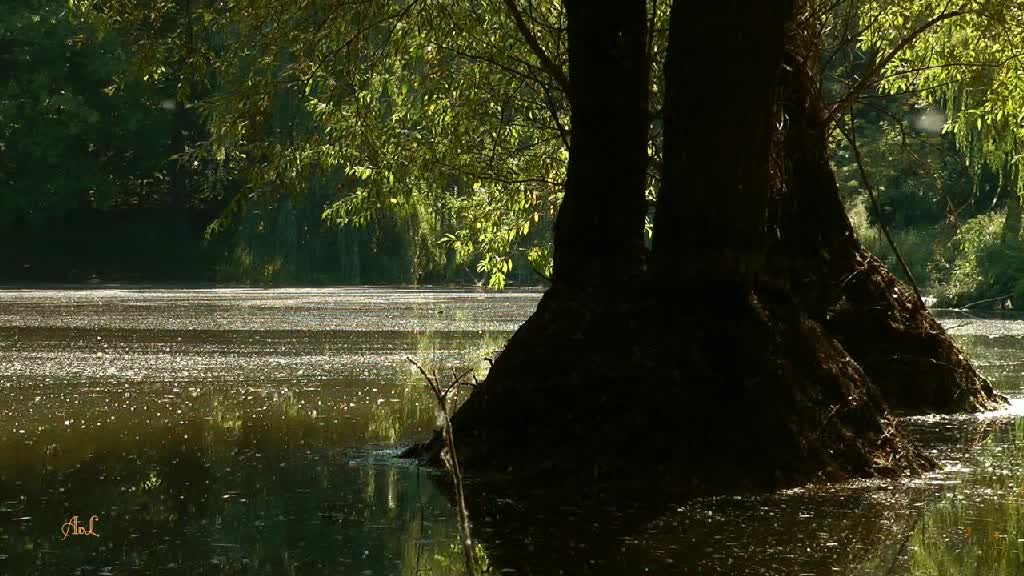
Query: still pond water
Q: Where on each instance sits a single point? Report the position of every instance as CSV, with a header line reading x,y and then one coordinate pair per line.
x,y
244,431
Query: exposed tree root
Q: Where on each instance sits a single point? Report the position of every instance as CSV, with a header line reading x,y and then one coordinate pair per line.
x,y
903,349
747,394
879,322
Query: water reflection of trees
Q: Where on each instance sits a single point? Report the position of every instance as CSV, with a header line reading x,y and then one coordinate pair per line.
x,y
259,496
257,477
1000,357
977,527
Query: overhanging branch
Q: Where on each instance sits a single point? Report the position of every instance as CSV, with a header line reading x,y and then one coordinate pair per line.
x,y
549,66
872,75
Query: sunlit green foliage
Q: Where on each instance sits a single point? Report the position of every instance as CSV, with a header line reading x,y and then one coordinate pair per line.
x,y
976,265
442,112
918,245
440,116
934,90
407,107
967,59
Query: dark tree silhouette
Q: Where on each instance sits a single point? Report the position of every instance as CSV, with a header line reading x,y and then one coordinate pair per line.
x,y
758,344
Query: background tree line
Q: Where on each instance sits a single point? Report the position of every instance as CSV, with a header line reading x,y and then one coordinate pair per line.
x,y
423,141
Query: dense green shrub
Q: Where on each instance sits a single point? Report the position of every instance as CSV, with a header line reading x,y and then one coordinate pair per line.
x,y
976,265
918,246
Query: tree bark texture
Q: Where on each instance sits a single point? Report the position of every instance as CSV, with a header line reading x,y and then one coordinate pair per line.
x,y
600,226
721,81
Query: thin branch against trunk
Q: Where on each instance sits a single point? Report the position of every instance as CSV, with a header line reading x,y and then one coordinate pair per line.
x,y
871,77
549,102
851,137
549,66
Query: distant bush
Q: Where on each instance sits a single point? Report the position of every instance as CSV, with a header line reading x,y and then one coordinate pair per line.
x,y
917,246
976,265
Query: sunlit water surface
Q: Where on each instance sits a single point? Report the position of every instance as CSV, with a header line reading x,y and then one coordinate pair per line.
x,y
244,431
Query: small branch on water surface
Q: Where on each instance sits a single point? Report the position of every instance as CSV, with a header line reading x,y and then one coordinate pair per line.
x,y
448,455
955,326
1003,298
851,137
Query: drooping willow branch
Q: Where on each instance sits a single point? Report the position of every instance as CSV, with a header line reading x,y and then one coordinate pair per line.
x,y
872,75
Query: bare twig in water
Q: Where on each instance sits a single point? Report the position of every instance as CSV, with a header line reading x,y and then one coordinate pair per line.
x,y
955,326
449,457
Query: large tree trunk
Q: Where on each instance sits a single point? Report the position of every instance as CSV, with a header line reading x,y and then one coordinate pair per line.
x,y
719,124
765,344
599,254
600,226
